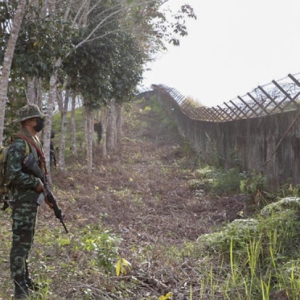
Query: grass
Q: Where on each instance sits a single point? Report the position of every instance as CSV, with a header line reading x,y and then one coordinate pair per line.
x,y
254,255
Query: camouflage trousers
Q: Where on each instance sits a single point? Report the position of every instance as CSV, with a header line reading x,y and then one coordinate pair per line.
x,y
24,212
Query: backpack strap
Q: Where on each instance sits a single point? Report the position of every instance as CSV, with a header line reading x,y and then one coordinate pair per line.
x,y
38,150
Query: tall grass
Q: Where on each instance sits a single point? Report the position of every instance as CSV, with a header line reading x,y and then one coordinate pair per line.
x,y
260,258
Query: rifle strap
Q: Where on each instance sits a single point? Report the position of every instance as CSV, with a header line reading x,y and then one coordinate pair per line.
x,y
38,150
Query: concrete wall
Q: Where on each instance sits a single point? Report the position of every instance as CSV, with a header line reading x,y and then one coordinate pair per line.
x,y
250,141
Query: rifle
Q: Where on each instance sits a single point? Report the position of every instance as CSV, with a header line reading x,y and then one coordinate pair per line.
x,y
30,166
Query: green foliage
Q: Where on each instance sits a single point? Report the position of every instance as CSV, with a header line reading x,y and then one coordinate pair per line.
x,y
235,159
105,245
56,127
253,183
289,278
282,205
226,181
253,251
187,151
289,189
110,64
16,101
240,233
236,233
128,69
155,109
195,184
41,42
7,10
213,158
205,172
216,180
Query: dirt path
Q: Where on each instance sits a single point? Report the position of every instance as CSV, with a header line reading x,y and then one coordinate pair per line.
x,y
143,186
141,191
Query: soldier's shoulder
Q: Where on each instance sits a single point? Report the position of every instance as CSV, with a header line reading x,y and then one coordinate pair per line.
x,y
17,144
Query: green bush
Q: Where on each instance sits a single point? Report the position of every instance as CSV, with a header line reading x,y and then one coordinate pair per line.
x,y
226,181
258,258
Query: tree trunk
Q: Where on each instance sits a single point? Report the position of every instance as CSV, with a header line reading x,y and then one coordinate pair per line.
x,y
104,121
60,102
98,115
63,138
39,92
111,128
89,134
119,123
48,125
73,125
91,139
31,90
8,57
50,106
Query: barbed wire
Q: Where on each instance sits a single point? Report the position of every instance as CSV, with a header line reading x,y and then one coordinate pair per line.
x,y
275,97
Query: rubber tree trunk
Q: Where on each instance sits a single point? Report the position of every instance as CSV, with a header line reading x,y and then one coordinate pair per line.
x,y
111,128
104,121
89,135
73,125
64,122
50,107
119,123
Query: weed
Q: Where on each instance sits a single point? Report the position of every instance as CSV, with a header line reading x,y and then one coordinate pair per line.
x,y
288,189
226,181
105,245
253,183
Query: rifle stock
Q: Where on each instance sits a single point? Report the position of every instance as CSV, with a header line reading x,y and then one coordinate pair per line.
x,y
30,166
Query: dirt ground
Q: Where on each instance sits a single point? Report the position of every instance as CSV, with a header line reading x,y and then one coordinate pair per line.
x,y
145,184
141,191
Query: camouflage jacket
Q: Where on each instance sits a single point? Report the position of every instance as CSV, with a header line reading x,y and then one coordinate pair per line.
x,y
21,182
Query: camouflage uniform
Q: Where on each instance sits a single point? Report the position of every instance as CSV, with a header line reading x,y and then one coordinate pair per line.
x,y
24,206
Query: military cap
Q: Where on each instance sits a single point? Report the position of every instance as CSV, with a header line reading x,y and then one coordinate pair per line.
x,y
29,111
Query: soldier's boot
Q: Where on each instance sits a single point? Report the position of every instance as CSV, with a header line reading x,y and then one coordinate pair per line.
x,y
21,291
31,284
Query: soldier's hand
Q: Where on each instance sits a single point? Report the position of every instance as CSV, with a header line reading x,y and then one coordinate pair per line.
x,y
48,202
40,188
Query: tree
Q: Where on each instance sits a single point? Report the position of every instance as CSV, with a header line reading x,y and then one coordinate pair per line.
x,y
55,32
42,45
90,68
127,73
7,61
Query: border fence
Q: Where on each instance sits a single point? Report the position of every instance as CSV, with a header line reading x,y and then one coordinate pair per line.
x,y
260,130
276,97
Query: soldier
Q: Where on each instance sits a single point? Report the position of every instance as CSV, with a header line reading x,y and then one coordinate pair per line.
x,y
52,150
25,190
98,130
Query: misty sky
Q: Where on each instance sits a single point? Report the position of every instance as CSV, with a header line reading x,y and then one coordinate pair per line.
x,y
232,47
